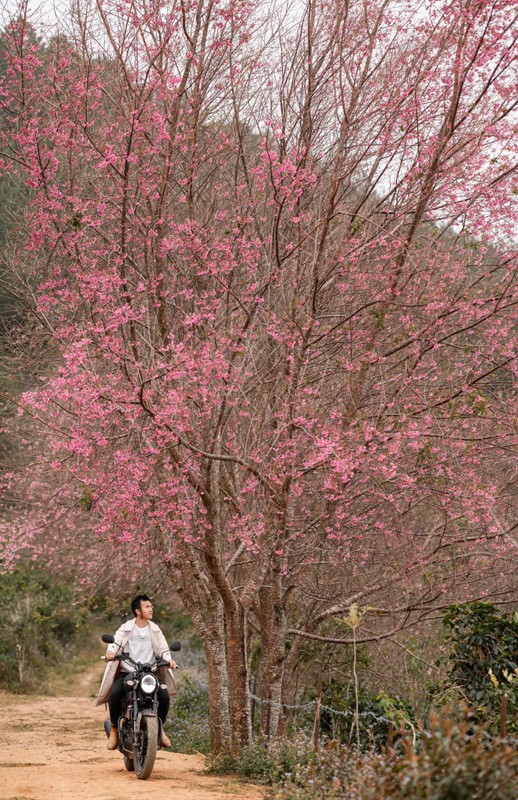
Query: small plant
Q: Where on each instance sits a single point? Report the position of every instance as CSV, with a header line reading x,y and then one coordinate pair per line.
x,y
188,724
222,764
266,761
281,759
455,760
347,712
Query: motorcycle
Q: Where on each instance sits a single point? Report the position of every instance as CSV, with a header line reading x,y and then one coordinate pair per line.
x,y
139,727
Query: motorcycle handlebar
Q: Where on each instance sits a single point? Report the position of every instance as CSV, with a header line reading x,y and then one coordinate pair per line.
x,y
160,662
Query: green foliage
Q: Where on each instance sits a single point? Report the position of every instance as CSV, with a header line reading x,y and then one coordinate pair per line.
x,y
483,659
177,624
375,710
330,774
38,623
455,761
266,761
379,317
188,726
222,764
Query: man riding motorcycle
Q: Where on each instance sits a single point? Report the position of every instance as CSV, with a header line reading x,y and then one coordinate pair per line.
x,y
143,640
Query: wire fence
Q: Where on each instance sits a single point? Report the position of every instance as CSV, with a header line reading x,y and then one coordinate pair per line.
x,y
312,704
398,726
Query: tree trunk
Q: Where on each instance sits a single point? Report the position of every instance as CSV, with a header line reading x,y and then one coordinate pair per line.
x,y
220,725
206,609
271,665
237,659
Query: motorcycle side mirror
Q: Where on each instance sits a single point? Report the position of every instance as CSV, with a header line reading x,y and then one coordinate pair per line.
x,y
108,638
176,646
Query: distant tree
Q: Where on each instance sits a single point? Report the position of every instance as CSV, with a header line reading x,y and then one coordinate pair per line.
x,y
269,256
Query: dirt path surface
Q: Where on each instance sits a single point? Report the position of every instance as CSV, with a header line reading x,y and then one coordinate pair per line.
x,y
55,749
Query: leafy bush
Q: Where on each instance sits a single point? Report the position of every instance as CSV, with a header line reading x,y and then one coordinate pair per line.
x,y
375,710
483,659
329,775
266,761
188,724
337,715
455,761
38,624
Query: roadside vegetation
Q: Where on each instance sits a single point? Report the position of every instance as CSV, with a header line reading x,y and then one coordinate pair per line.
x,y
40,626
454,760
453,752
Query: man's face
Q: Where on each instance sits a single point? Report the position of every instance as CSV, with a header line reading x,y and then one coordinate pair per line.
x,y
145,611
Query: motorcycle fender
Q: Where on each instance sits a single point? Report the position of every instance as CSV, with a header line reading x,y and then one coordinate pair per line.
x,y
146,712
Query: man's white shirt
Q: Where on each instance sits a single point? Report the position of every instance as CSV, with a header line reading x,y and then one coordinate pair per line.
x,y
139,648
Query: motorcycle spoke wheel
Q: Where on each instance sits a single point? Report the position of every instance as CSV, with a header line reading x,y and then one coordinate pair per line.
x,y
145,751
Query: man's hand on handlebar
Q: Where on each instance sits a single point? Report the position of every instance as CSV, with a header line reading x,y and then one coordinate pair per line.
x,y
111,656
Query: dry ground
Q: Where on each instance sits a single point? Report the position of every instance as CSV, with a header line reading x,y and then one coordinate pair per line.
x,y
54,748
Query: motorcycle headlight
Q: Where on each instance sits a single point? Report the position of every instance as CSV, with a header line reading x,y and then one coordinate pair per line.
x,y
148,684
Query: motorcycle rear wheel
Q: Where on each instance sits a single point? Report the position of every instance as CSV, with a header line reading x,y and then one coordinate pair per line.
x,y
144,753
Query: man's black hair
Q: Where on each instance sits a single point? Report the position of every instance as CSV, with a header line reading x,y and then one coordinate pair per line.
x,y
135,603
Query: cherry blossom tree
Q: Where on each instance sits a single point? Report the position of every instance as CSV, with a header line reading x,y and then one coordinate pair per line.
x,y
269,256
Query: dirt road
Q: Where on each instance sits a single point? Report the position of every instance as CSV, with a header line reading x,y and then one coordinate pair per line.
x,y
55,749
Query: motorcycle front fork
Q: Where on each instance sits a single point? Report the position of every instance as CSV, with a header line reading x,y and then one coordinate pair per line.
x,y
135,724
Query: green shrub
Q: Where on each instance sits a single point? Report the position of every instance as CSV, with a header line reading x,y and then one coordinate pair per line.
x,y
337,715
329,775
266,761
188,723
375,710
38,625
483,659
454,761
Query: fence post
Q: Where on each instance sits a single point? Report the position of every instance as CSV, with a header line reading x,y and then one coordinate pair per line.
x,y
20,655
316,727
503,716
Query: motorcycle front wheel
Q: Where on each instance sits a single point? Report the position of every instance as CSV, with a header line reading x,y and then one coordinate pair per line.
x,y
129,763
144,752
